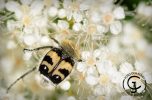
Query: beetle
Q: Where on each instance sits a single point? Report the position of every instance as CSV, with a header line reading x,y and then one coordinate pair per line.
x,y
57,63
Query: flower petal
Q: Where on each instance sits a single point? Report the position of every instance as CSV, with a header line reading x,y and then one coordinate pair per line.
x,y
12,6
119,13
62,13
95,17
102,29
77,27
36,7
91,80
81,67
116,27
77,17
52,11
63,24
29,39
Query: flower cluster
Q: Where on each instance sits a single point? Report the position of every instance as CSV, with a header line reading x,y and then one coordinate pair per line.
x,y
111,47
34,20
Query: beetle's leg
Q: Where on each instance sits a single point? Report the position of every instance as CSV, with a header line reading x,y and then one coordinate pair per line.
x,y
39,48
21,77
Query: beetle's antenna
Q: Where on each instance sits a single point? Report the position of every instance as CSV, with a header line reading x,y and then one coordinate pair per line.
x,y
21,77
55,41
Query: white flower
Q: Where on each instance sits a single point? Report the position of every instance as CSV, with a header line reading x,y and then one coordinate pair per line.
x,y
25,13
72,10
65,85
111,19
29,19
52,11
108,73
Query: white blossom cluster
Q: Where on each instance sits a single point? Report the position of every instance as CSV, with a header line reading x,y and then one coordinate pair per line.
x,y
106,61
33,19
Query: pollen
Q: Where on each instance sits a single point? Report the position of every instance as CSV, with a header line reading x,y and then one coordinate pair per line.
x,y
104,79
91,61
92,29
65,32
108,19
26,20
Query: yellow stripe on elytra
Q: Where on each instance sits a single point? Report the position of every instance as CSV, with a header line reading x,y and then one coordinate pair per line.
x,y
54,56
62,65
65,65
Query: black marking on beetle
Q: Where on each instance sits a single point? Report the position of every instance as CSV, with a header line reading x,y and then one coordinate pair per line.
x,y
48,59
43,69
56,79
58,51
64,72
70,60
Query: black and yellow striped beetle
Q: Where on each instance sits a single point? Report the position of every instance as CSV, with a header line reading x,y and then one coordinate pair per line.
x,y
58,63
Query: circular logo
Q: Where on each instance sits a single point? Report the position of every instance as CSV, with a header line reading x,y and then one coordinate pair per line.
x,y
134,84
